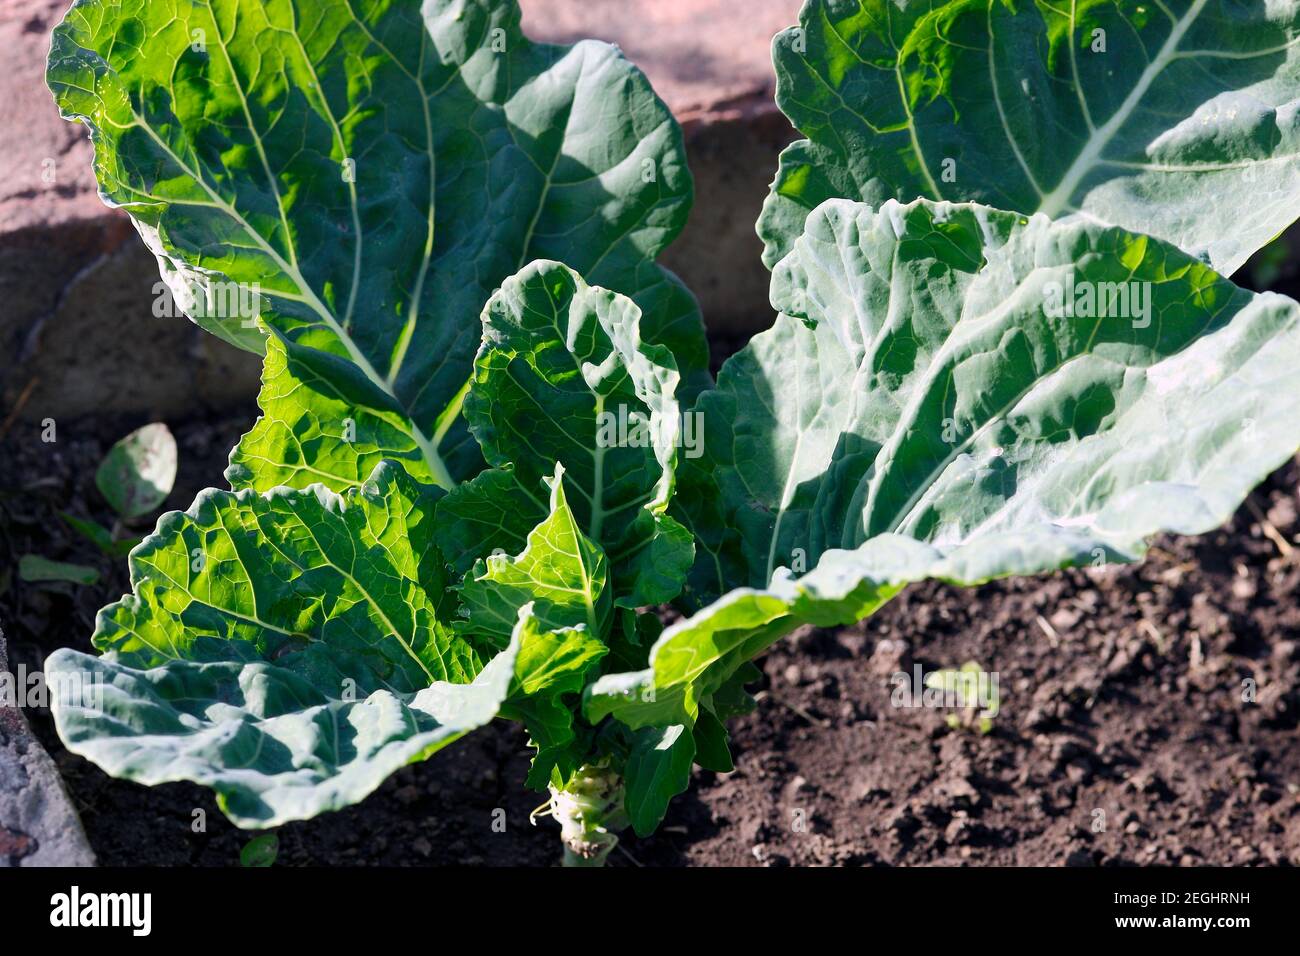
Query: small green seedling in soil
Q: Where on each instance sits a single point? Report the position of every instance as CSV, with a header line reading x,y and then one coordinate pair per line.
x,y
975,692
35,569
138,472
101,537
135,477
260,851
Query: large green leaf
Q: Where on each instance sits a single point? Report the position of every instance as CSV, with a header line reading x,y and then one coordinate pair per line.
x,y
1172,118
288,649
312,432
564,377
356,177
921,410
658,769
275,743
354,579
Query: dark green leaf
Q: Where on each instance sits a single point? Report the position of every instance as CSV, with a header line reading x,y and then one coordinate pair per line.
x,y
34,569
1173,118
711,750
355,179
491,513
92,531
658,769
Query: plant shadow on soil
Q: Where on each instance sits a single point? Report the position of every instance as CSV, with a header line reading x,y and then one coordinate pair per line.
x,y
1125,735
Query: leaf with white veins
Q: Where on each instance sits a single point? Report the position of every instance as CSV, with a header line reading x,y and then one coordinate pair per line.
x,y
275,744
355,177
1176,118
924,408
563,377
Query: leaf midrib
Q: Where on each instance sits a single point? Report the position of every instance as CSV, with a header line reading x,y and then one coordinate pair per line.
x,y
437,467
1059,198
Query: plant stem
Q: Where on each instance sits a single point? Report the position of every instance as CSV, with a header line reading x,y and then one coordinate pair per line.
x,y
589,810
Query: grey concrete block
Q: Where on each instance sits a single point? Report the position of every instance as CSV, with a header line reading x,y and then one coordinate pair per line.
x,y
38,825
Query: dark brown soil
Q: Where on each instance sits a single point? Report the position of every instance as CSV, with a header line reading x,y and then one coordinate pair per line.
x,y
1123,736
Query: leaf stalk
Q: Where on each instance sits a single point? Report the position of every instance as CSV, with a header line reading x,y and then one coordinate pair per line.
x,y
590,811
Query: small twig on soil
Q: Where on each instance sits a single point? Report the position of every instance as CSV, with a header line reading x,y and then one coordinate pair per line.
x,y
1175,566
1154,633
1155,552
622,849
816,722
1283,545
18,407
1175,574
1053,637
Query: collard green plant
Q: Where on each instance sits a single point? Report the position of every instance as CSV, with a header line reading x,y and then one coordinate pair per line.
x,y
949,391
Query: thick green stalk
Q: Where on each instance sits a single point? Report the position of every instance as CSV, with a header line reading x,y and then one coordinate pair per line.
x,y
589,810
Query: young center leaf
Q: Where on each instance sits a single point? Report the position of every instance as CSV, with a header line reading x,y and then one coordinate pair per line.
x,y
552,668
355,178
564,377
1175,119
561,572
957,392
